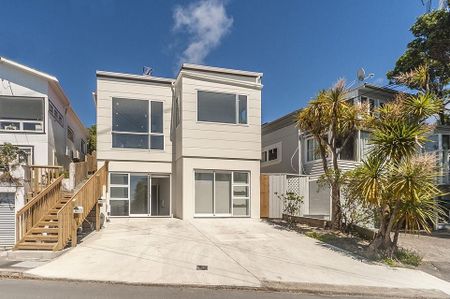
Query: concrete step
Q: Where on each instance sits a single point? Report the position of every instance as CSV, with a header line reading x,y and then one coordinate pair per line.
x,y
32,255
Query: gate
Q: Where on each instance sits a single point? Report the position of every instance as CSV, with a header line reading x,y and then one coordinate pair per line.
x,y
273,185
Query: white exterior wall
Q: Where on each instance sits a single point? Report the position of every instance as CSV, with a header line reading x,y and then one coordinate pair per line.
x,y
204,139
107,89
215,146
80,133
57,132
19,83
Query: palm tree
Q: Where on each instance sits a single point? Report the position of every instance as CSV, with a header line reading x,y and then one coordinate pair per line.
x,y
395,180
331,118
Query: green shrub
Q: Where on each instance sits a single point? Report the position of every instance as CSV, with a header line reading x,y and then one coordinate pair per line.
x,y
408,257
389,261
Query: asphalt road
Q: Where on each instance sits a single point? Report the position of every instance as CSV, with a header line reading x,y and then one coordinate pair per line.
x,y
15,289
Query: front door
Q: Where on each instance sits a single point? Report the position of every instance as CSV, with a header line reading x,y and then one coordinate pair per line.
x,y
139,195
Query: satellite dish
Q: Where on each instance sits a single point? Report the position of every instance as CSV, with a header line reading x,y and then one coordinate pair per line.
x,y
361,74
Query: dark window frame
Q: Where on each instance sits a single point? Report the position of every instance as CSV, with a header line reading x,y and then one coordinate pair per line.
x,y
240,117
16,125
148,135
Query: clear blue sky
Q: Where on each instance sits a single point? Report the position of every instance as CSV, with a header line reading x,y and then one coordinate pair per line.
x,y
301,46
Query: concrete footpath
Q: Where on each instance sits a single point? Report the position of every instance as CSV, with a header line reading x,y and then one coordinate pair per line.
x,y
241,253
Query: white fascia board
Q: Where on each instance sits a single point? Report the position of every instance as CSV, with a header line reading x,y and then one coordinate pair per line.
x,y
219,70
134,77
219,79
28,69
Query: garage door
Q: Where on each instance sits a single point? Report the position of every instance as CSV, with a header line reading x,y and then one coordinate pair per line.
x,y
7,221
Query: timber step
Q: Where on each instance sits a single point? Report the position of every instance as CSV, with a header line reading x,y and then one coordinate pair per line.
x,y
40,230
44,235
35,246
43,230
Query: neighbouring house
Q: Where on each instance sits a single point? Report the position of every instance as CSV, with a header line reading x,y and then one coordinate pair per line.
x,y
184,147
287,150
35,116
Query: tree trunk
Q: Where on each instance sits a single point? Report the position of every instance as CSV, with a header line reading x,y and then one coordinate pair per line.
x,y
336,211
382,243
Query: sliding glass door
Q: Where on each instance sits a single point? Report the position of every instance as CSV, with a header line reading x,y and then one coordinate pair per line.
x,y
139,195
222,193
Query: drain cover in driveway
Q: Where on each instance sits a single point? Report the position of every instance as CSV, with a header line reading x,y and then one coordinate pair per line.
x,y
202,267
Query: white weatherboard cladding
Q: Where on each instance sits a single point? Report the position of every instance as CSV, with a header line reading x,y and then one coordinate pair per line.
x,y
108,89
204,139
19,83
197,145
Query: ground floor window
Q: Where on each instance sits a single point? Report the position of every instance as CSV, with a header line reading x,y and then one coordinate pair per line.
x,y
139,194
222,193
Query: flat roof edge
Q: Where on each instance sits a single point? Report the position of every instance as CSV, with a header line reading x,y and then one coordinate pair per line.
x,y
106,74
214,69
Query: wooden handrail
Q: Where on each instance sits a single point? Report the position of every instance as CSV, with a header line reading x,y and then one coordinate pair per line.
x,y
86,197
43,193
37,208
45,166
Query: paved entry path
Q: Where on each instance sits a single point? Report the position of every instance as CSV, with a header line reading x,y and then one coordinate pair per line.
x,y
237,252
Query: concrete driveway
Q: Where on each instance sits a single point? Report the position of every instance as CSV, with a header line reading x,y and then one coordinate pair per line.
x,y
238,252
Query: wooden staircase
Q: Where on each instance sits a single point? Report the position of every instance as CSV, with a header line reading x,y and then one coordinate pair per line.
x,y
48,221
44,234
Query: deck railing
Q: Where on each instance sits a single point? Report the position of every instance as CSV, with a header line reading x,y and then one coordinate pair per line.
x,y
37,207
86,198
40,177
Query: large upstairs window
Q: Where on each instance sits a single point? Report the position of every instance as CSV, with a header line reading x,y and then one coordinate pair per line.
x,y
221,107
23,114
137,124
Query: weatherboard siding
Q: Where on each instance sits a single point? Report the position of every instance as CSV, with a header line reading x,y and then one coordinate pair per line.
x,y
207,139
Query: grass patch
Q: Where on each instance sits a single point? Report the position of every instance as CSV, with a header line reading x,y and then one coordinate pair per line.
x,y
403,257
408,257
326,238
389,261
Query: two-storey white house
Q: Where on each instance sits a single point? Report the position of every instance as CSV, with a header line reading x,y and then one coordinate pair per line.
x,y
36,116
185,147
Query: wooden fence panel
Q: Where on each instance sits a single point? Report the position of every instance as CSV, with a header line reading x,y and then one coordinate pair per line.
x,y
264,196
